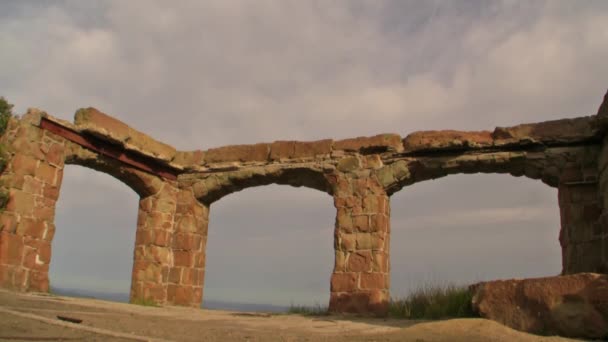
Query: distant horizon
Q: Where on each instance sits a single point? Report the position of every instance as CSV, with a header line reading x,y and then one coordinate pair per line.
x,y
210,304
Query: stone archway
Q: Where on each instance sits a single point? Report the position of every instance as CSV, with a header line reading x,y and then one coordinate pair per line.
x,y
270,245
466,228
176,188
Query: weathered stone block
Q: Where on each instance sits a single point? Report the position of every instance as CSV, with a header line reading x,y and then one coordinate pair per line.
x,y
20,202
180,294
446,140
308,149
101,124
39,281
373,281
380,262
349,164
32,185
347,242
187,241
374,302
343,282
147,271
55,155
377,143
373,161
340,261
360,261
564,130
361,223
379,223
11,248
159,254
23,165
199,258
378,241
8,222
189,158
46,173
182,258
572,305
175,275
242,153
364,241
148,146
282,150
344,221
110,129
32,227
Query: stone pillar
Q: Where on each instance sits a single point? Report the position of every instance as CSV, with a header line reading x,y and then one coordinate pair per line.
x,y
32,179
603,198
582,235
153,256
186,276
360,281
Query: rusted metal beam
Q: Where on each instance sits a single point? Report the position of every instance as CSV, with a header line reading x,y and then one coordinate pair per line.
x,y
110,150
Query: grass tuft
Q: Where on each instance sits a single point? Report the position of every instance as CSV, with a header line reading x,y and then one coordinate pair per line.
x,y
434,302
316,310
144,302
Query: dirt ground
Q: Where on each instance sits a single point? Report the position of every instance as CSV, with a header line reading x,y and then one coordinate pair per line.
x,y
33,317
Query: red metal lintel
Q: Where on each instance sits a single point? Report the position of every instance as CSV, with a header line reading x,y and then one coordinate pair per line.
x,y
109,150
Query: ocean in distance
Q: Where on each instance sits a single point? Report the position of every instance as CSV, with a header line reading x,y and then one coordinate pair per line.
x,y
207,304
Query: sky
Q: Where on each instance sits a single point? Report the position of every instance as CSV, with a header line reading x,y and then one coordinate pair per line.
x,y
202,74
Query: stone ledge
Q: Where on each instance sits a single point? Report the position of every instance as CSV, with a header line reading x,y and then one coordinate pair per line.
x,y
103,126
387,142
552,132
446,140
92,121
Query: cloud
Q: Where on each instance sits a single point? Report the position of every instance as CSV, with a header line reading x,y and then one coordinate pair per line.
x,y
480,217
302,70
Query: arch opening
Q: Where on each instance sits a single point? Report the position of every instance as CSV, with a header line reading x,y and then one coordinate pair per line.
x,y
464,229
269,248
96,217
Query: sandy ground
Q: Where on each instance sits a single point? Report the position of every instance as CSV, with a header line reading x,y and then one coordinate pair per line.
x,y
33,317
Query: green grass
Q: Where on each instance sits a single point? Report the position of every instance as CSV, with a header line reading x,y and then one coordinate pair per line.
x,y
316,310
144,302
434,302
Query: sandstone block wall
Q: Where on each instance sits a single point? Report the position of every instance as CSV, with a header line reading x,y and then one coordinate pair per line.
x,y
176,189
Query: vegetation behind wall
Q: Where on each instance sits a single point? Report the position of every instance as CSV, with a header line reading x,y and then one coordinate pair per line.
x,y
6,112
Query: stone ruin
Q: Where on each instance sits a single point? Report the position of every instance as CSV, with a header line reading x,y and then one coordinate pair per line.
x,y
176,189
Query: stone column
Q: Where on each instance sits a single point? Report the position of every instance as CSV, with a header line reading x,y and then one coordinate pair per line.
x,y
32,179
186,276
153,256
582,235
360,281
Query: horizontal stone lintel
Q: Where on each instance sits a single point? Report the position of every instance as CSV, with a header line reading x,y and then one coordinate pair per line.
x,y
126,143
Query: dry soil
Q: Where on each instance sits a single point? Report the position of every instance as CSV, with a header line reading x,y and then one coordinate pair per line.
x,y
33,317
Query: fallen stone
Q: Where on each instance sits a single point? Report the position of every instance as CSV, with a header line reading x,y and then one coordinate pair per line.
x,y
571,305
70,319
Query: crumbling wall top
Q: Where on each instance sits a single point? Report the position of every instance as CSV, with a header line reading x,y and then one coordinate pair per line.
x,y
92,122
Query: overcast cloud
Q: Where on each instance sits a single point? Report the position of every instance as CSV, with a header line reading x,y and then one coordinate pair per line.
x,y
199,74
